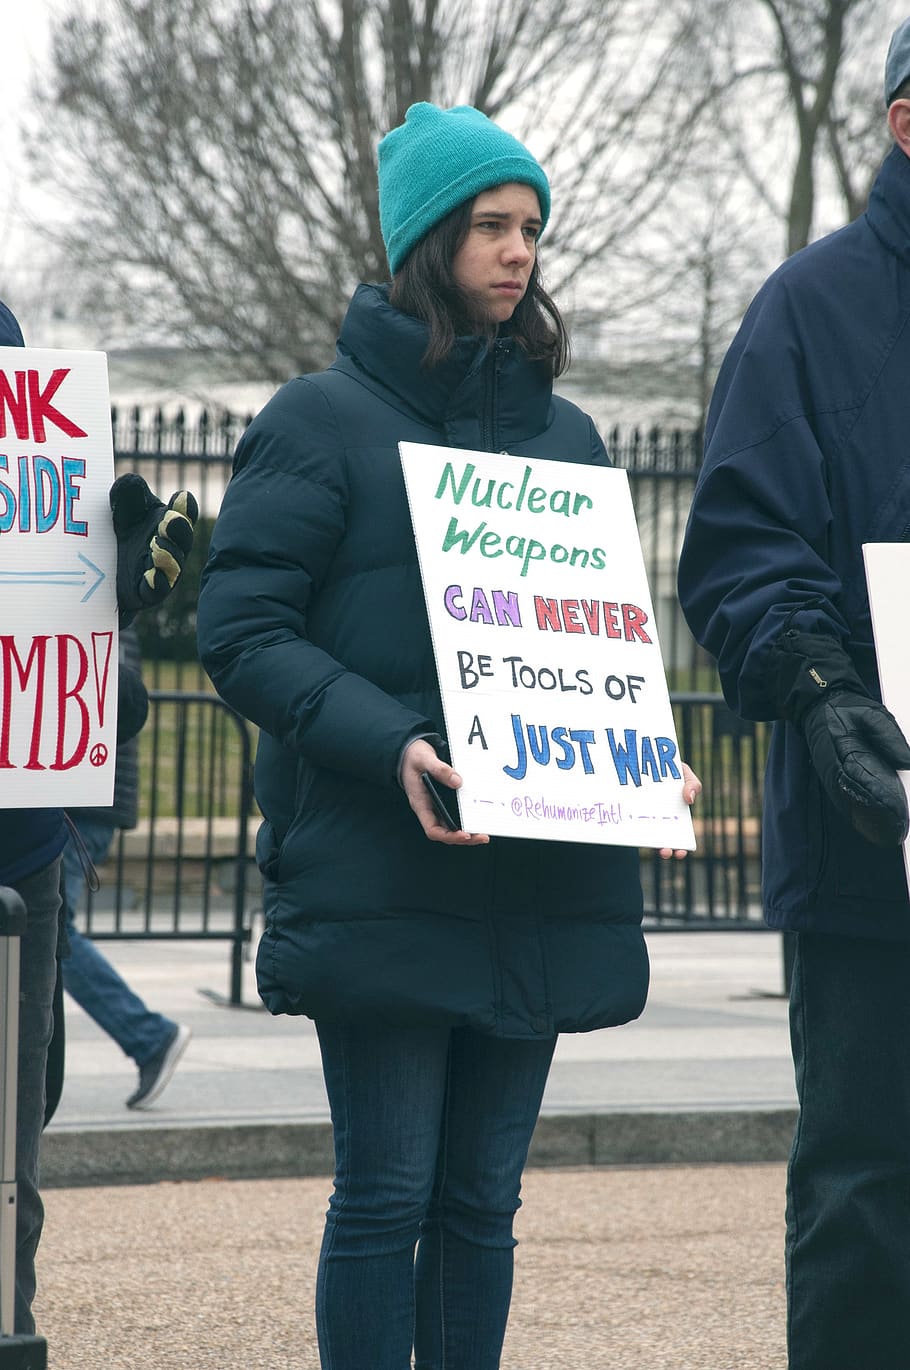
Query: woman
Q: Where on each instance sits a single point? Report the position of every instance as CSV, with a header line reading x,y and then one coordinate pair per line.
x,y
438,978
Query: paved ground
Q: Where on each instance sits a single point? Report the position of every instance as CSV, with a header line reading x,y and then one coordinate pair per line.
x,y
623,1265
616,1269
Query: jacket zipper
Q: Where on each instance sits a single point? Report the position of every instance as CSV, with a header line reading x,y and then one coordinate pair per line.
x,y
489,430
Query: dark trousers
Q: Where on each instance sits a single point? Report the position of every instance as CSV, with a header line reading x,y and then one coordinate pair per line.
x,y
38,976
432,1128
848,1197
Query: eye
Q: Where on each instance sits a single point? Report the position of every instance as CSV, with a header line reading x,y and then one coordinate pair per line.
x,y
531,232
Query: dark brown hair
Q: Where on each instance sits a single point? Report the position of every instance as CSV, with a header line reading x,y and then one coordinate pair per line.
x,y
425,287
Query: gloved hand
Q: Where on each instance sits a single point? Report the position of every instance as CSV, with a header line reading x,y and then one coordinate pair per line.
x,y
857,747
153,542
855,743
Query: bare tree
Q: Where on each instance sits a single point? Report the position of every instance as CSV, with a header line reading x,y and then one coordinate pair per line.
x,y
810,44
807,79
719,264
686,286
855,128
219,155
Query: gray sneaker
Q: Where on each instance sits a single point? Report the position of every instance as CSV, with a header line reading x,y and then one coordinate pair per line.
x,y
155,1075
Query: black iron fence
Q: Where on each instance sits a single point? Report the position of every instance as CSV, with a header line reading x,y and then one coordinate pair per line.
x,y
172,453
187,871
718,885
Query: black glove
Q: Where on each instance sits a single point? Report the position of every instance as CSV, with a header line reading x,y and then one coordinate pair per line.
x,y
857,748
153,542
855,743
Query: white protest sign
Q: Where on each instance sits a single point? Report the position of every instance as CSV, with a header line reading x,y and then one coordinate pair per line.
x,y
887,570
58,559
556,705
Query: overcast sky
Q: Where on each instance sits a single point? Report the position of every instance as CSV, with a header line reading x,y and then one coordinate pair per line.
x,y
29,281
24,25
24,44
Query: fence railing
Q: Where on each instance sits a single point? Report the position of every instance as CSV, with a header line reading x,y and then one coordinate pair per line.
x,y
719,885
172,453
186,872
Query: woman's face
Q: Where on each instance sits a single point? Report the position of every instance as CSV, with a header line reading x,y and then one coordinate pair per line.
x,y
494,263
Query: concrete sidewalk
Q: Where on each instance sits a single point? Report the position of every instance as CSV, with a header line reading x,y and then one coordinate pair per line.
x,y
704,1075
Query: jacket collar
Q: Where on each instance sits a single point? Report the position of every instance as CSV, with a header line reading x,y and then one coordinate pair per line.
x,y
889,204
380,344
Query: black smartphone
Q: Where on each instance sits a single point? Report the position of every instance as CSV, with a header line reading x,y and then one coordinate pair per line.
x,y
435,793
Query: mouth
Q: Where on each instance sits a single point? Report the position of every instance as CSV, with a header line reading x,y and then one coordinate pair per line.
x,y
509,287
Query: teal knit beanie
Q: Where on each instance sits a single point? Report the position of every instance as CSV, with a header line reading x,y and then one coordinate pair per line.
x,y
437,159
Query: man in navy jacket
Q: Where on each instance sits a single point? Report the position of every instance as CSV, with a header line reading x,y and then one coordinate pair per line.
x,y
808,457
153,541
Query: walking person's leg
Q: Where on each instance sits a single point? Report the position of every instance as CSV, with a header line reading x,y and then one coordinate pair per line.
x,y
848,1201
463,1272
386,1086
153,1041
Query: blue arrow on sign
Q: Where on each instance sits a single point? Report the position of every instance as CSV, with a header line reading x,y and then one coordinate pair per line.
x,y
76,579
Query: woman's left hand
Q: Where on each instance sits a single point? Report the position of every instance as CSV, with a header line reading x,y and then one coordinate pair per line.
x,y
691,791
419,756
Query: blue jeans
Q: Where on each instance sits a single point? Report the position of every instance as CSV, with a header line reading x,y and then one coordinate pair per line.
x,y
37,977
88,975
848,1198
432,1128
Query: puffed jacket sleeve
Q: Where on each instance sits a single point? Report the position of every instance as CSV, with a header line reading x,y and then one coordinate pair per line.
x,y
755,558
281,522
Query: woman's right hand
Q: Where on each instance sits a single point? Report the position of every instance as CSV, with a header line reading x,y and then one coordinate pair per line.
x,y
418,757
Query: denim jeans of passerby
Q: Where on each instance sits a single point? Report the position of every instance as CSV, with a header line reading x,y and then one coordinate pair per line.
x,y
848,1199
88,975
432,1128
37,976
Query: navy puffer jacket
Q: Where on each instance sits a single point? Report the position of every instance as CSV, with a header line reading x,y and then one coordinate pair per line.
x,y
312,623
807,457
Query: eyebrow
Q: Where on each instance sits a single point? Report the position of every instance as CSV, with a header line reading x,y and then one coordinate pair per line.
x,y
504,214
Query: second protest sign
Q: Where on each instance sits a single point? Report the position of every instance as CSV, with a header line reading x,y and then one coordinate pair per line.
x,y
556,705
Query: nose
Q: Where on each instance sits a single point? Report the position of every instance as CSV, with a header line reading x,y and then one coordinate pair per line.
x,y
516,248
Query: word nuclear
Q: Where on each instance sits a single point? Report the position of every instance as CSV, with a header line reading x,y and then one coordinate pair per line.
x,y
30,407
38,492
485,492
635,758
